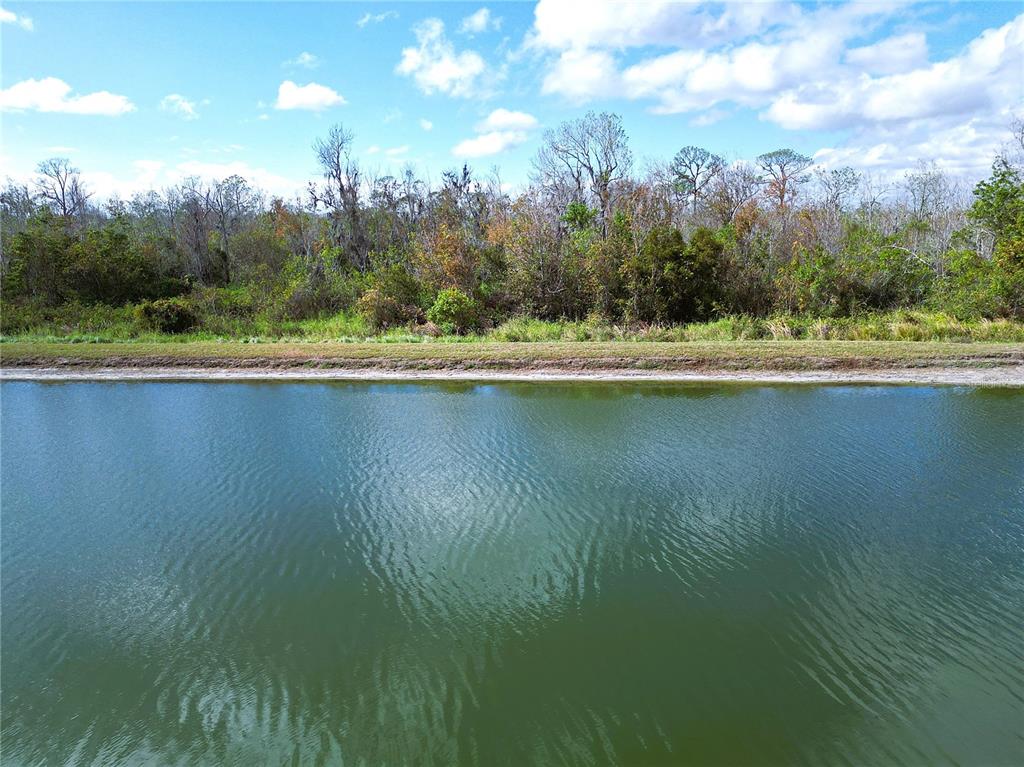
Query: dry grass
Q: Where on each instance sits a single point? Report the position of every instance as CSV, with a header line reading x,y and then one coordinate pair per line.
x,y
565,355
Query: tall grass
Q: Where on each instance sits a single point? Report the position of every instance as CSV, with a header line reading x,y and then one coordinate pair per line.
x,y
96,324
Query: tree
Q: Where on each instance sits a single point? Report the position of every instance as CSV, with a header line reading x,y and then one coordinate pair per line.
x,y
38,263
193,224
587,154
670,280
837,186
999,201
59,186
785,169
230,201
692,169
928,189
340,194
735,186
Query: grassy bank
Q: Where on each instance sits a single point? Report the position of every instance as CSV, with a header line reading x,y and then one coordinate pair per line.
x,y
485,355
100,324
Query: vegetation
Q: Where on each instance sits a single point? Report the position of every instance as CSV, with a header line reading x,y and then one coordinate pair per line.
x,y
552,355
593,249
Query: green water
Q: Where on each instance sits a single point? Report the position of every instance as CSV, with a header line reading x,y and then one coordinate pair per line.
x,y
369,574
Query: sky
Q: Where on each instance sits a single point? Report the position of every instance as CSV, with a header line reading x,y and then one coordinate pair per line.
x,y
140,95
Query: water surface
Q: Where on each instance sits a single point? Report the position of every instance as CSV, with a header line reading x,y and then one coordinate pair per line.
x,y
209,573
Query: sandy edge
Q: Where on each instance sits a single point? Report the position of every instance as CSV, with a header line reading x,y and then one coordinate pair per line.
x,y
1009,375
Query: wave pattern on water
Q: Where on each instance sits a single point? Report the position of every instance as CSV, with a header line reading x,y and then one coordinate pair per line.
x,y
511,574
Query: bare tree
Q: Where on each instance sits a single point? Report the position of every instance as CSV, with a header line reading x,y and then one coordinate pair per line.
x,y
340,194
733,187
16,206
589,153
927,188
191,202
825,224
59,186
230,202
693,169
785,172
837,186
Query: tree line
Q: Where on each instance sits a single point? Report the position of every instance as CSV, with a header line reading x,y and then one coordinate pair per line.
x,y
592,235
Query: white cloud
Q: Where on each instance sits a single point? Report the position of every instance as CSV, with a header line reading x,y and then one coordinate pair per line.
x,y
257,176
891,55
376,18
506,119
804,67
479,22
53,95
501,130
985,76
305,59
373,149
491,143
154,174
397,151
178,105
748,49
148,174
426,124
710,117
314,97
9,17
61,150
436,66
582,24
580,75
962,149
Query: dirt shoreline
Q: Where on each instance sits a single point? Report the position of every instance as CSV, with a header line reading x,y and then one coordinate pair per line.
x,y
1002,375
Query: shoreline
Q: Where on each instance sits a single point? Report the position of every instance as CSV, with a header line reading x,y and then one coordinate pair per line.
x,y
1011,376
812,362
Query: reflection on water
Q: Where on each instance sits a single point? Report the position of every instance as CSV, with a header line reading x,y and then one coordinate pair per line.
x,y
511,574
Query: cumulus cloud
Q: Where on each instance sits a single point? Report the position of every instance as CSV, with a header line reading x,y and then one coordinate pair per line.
x,y
501,130
178,105
506,119
986,75
375,18
435,65
479,22
53,95
583,24
305,59
962,149
581,75
9,17
426,124
892,55
802,67
313,97
490,143
746,53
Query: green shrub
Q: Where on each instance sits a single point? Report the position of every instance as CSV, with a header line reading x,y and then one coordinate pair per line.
x,y
383,312
670,280
21,316
167,315
455,312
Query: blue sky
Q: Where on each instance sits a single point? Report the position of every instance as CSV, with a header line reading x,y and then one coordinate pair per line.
x,y
141,94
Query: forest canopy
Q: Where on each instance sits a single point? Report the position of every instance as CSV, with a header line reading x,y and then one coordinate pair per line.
x,y
592,237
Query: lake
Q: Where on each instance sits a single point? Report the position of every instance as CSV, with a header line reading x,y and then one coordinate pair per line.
x,y
511,574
